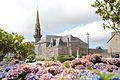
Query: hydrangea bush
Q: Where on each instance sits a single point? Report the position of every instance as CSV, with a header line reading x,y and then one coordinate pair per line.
x,y
77,69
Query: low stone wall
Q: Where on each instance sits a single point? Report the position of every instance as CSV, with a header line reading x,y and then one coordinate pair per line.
x,y
112,61
105,55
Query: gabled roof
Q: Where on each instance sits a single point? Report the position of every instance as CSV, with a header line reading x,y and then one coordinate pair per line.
x,y
114,35
64,39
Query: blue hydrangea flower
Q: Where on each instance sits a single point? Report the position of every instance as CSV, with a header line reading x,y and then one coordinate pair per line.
x,y
87,75
116,78
30,76
2,74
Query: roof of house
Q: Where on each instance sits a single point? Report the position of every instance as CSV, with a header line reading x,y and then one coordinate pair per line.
x,y
115,33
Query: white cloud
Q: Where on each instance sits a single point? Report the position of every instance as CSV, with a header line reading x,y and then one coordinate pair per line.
x,y
97,34
55,16
19,15
59,13
12,16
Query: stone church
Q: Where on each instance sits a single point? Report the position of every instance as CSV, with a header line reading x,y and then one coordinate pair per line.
x,y
52,45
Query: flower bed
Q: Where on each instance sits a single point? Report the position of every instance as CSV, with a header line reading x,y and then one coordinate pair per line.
x,y
78,69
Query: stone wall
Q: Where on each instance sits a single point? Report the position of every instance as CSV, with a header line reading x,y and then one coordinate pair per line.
x,y
62,50
40,49
81,47
47,49
105,55
51,52
97,50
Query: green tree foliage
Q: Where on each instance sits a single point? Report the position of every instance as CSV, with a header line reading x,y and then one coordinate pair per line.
x,y
28,52
13,43
109,10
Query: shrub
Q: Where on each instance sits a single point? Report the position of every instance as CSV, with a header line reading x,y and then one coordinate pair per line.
x,y
64,58
80,55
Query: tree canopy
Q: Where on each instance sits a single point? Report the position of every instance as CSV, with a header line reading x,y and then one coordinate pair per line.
x,y
109,10
13,43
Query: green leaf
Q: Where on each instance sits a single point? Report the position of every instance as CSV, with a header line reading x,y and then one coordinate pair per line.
x,y
98,73
90,68
110,76
119,16
93,5
106,1
112,1
104,75
109,12
104,26
97,3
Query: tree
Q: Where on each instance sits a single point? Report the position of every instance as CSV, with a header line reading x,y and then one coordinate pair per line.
x,y
13,44
109,10
28,50
5,43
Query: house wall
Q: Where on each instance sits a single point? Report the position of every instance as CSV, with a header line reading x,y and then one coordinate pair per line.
x,y
114,44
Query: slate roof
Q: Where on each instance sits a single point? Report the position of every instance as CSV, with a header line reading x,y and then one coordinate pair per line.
x,y
61,39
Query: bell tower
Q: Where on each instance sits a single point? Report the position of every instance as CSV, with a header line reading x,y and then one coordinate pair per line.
x,y
37,35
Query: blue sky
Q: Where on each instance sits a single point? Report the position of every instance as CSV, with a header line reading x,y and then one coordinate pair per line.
x,y
57,17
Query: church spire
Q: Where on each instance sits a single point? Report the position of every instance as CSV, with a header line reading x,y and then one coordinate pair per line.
x,y
37,35
37,18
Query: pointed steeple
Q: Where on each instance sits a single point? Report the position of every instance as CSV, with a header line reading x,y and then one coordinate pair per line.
x,y
37,35
37,18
